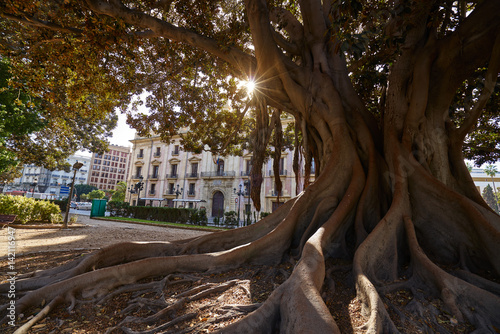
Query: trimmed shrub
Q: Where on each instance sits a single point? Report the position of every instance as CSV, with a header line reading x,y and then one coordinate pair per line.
x,y
118,209
231,218
28,209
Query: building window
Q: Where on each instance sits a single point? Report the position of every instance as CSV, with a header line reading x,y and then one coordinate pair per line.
x,y
158,152
176,150
155,172
173,170
171,188
191,189
152,191
220,167
138,172
141,153
194,169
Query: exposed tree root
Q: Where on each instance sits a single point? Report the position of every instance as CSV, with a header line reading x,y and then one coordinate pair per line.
x,y
393,272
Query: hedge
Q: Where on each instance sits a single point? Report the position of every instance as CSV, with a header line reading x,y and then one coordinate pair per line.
x,y
29,209
163,214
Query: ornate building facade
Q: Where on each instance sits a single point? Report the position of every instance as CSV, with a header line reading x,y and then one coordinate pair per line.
x,y
173,177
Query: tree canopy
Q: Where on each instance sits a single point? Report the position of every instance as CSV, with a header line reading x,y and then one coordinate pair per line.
x,y
386,98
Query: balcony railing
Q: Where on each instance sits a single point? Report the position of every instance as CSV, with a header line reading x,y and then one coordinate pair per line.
x,y
218,174
172,176
152,192
136,177
170,192
140,156
245,173
192,175
154,176
157,154
282,172
276,193
175,152
191,193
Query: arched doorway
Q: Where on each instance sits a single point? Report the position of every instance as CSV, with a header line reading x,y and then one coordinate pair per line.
x,y
218,204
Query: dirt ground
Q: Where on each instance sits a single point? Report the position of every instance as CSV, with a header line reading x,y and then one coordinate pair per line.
x,y
89,233
38,249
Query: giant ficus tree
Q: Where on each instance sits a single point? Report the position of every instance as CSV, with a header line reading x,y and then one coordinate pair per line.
x,y
384,94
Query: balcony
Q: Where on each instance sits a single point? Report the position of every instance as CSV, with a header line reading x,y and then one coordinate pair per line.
x,y
276,193
192,175
175,152
191,193
170,192
153,177
245,173
140,156
218,174
136,177
152,192
157,154
282,172
172,176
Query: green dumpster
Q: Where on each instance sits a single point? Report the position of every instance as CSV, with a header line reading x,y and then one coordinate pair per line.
x,y
98,208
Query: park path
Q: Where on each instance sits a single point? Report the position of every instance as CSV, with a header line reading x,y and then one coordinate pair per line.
x,y
94,234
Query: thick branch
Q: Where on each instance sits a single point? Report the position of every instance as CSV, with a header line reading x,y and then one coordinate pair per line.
x,y
115,8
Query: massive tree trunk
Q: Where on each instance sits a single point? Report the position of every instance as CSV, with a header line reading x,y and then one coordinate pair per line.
x,y
392,195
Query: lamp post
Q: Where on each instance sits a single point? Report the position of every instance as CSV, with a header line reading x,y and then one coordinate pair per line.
x,y
77,165
177,193
247,186
136,189
35,182
239,193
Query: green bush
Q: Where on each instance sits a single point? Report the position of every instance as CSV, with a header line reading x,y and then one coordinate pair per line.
x,y
118,209
28,209
231,218
264,214
199,217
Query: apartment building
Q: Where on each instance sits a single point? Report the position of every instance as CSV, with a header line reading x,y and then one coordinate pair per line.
x,y
172,177
36,179
107,169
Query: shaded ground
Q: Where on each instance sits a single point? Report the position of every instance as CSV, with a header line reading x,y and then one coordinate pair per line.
x,y
95,234
206,301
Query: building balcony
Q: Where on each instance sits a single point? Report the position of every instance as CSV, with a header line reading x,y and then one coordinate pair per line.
x,y
282,172
152,192
191,193
153,177
276,193
172,176
157,155
140,156
136,177
192,175
218,174
175,152
245,173
170,192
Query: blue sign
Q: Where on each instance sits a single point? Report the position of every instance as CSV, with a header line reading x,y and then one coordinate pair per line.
x,y
64,190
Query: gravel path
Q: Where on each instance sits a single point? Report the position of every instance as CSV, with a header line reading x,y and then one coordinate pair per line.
x,y
95,234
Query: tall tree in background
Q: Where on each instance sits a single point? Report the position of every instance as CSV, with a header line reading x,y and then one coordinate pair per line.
x,y
490,198
491,171
384,95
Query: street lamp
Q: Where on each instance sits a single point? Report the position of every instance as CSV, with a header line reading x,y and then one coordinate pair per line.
x,y
76,166
35,182
247,186
177,193
239,193
136,189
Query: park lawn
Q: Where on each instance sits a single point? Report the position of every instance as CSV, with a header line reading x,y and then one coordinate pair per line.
x,y
144,221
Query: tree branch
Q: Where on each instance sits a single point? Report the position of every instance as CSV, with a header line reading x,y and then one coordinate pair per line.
x,y
115,8
33,22
490,80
